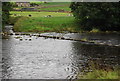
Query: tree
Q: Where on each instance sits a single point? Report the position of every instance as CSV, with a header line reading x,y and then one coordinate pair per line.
x,y
6,7
101,15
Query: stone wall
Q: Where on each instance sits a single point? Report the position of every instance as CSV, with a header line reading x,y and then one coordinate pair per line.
x,y
23,4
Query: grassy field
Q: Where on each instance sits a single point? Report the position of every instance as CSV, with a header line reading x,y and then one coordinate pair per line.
x,y
38,14
55,3
57,8
39,23
51,6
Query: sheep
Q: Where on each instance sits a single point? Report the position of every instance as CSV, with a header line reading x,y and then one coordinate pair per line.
x,y
30,15
48,16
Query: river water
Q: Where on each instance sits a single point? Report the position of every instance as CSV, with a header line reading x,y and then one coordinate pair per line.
x,y
32,57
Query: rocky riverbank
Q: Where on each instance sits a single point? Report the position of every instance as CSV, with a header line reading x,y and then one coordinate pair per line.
x,y
87,38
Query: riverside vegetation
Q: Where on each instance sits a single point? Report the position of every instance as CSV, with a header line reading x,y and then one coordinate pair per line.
x,y
101,74
39,22
98,71
59,22
89,18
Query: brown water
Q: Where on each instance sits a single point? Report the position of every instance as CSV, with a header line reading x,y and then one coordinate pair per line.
x,y
39,58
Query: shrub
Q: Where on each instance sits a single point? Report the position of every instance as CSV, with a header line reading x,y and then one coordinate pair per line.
x,y
18,24
101,74
96,70
13,20
103,16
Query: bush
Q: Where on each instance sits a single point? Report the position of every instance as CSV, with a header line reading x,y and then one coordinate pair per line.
x,y
96,70
103,16
18,24
101,74
13,20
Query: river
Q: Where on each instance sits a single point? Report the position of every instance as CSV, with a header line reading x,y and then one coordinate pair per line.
x,y
33,57
40,58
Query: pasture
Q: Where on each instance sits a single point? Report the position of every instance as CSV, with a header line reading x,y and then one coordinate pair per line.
x,y
43,22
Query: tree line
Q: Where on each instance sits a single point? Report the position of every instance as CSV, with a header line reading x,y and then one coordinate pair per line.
x,y
6,7
99,15
89,15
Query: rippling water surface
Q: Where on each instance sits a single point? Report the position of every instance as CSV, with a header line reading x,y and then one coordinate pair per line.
x,y
39,58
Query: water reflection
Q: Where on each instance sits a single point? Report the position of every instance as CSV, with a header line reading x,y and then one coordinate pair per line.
x,y
107,54
41,58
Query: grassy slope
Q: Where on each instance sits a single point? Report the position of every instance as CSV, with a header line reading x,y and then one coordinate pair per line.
x,y
38,14
57,6
66,8
52,6
55,3
39,23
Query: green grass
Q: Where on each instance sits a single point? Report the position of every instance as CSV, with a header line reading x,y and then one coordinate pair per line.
x,y
65,8
39,23
38,14
54,6
55,3
51,6
98,71
45,24
101,74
